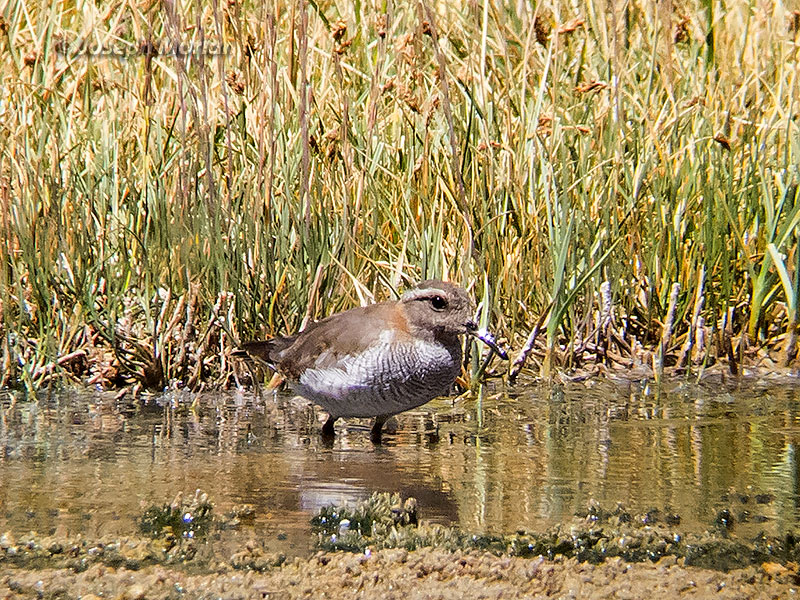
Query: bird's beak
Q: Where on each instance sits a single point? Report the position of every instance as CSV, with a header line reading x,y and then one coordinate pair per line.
x,y
486,337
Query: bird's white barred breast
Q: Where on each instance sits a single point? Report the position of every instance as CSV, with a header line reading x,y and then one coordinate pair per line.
x,y
385,379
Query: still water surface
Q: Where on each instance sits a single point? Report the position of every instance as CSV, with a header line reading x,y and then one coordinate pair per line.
x,y
523,457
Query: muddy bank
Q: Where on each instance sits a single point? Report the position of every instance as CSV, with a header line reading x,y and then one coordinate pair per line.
x,y
396,573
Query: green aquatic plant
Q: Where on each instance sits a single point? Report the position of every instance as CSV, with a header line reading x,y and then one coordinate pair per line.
x,y
179,519
350,527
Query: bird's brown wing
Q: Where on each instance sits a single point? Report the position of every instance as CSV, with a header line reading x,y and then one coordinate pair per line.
x,y
324,343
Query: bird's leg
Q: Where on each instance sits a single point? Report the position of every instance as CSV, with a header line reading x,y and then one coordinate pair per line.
x,y
375,434
327,429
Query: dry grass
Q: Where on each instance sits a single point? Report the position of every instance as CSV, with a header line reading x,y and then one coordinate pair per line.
x,y
155,207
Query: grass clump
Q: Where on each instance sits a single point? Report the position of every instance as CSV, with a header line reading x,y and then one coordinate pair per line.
x,y
176,178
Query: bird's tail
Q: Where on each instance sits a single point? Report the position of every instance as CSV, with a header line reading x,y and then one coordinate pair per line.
x,y
267,351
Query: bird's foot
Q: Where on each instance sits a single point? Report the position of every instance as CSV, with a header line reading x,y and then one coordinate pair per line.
x,y
328,432
376,433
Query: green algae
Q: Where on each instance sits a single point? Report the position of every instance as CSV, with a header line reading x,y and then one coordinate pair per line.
x,y
591,537
181,519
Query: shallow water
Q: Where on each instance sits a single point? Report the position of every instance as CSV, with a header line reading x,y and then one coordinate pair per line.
x,y
523,457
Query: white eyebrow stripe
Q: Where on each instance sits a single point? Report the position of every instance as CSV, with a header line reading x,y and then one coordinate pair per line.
x,y
418,293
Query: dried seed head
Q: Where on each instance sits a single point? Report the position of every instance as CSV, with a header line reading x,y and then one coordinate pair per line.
x,y
590,86
388,86
542,28
696,100
545,125
404,46
236,81
682,31
338,30
381,24
408,97
342,46
723,141
332,134
794,21
251,46
332,153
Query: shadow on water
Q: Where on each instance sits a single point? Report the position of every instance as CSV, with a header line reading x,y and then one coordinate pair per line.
x,y
527,458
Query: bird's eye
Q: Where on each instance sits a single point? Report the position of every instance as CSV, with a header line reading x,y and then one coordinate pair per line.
x,y
438,303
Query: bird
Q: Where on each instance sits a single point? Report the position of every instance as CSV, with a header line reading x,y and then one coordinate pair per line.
x,y
378,360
